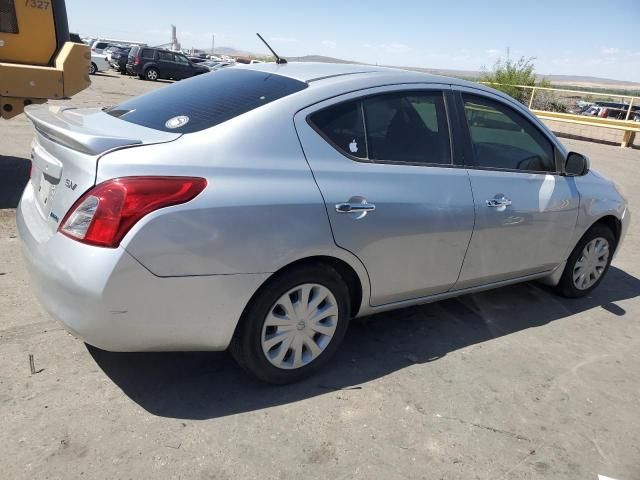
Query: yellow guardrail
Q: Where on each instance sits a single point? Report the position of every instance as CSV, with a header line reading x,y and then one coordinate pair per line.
x,y
629,127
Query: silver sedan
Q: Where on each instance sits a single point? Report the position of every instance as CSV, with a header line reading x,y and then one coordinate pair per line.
x,y
260,208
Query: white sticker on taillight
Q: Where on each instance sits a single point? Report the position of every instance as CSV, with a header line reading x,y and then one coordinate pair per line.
x,y
79,221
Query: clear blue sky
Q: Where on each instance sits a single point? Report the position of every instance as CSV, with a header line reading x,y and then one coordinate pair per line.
x,y
567,37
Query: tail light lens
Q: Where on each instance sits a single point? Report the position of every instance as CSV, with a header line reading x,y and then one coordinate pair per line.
x,y
136,61
104,214
603,113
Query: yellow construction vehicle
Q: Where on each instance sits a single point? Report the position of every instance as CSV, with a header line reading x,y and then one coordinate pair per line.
x,y
38,61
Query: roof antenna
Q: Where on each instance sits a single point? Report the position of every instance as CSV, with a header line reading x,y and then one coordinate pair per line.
x,y
279,59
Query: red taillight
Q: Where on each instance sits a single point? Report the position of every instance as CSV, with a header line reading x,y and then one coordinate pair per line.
x,y
603,113
136,61
105,214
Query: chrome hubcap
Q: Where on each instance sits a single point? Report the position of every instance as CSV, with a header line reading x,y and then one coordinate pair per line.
x,y
591,265
152,75
299,326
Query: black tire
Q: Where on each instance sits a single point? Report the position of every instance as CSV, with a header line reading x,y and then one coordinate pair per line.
x,y
93,68
151,74
246,345
566,287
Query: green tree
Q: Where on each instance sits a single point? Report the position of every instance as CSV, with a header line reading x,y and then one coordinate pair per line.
x,y
509,73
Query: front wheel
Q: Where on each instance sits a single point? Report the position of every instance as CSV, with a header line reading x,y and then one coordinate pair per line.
x,y
93,68
294,325
588,263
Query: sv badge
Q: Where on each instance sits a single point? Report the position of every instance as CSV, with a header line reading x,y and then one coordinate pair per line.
x,y
69,184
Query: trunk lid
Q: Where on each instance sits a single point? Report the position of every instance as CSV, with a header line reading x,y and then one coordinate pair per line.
x,y
66,149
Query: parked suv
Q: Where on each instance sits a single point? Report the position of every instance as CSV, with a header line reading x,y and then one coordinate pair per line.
x,y
155,63
119,59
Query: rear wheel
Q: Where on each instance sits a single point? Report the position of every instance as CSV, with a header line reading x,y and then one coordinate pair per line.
x,y
151,74
93,68
294,325
588,263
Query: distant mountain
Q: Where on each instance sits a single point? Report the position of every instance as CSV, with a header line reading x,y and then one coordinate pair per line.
x,y
234,52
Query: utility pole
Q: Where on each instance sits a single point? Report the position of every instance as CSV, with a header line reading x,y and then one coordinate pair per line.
x,y
213,44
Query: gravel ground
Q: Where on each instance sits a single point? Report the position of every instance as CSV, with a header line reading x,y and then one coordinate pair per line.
x,y
516,383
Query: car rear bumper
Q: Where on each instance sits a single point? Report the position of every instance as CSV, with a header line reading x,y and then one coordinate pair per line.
x,y
108,299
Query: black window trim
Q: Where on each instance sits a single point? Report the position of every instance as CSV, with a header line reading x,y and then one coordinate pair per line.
x,y
466,134
445,92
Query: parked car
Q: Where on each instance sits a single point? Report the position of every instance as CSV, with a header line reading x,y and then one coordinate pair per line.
x,y
154,63
613,110
213,66
222,65
99,46
580,107
108,52
98,63
260,208
119,59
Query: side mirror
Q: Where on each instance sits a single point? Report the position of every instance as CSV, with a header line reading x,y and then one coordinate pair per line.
x,y
576,165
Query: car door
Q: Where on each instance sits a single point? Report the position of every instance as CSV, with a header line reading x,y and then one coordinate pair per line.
x,y
383,163
184,69
166,64
526,211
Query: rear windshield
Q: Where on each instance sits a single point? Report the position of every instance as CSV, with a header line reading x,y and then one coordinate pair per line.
x,y
206,100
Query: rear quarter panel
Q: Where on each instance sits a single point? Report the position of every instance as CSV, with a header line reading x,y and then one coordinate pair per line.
x,y
260,211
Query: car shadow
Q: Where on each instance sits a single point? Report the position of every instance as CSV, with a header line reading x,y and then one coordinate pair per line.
x,y
203,385
14,175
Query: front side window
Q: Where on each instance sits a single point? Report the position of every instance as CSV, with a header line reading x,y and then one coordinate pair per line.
x,y
342,125
181,59
502,138
408,127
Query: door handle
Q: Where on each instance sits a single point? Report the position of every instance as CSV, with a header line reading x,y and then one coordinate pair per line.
x,y
497,202
355,207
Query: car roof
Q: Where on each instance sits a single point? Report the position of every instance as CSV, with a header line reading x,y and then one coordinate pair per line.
x,y
311,72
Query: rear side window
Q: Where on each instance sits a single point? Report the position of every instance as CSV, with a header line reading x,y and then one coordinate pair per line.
x,y
165,56
147,53
343,126
502,138
205,100
408,127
